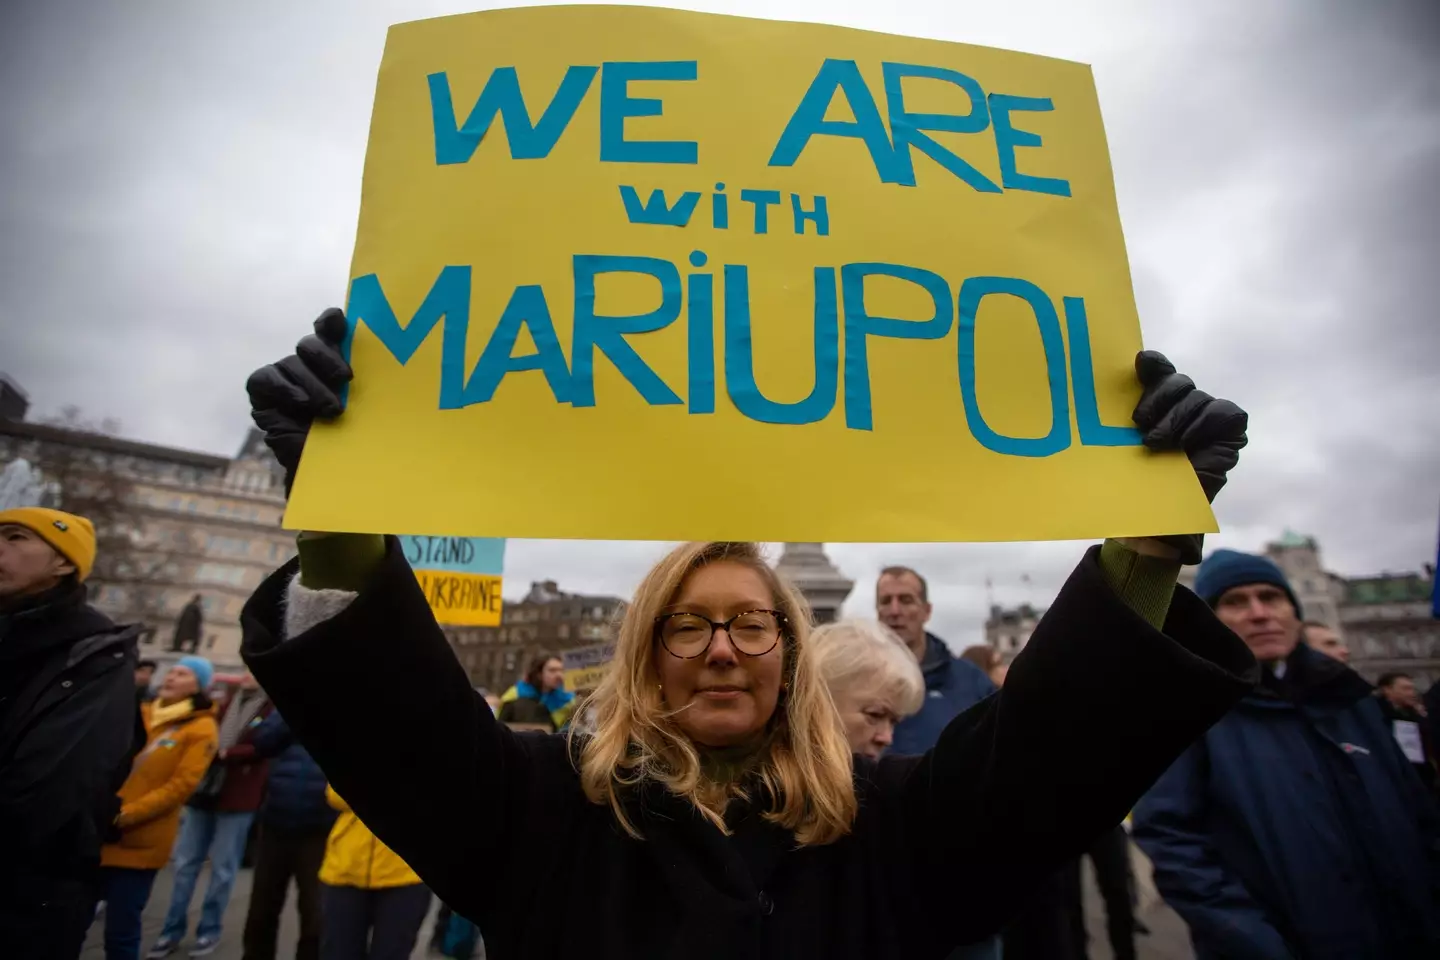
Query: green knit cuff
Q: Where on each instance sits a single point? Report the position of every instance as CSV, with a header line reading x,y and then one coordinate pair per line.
x,y
1146,584
339,561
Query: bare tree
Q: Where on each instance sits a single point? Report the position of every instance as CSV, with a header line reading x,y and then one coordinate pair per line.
x,y
138,556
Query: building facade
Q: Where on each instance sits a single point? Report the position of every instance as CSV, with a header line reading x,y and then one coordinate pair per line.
x,y
1390,626
170,524
1007,630
548,620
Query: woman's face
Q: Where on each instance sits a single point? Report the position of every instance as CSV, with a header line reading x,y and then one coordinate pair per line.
x,y
723,696
869,720
179,683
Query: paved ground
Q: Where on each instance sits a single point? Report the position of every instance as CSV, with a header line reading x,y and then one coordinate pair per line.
x,y
1167,940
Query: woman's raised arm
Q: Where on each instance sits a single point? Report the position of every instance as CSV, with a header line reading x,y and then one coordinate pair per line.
x,y
352,657
370,686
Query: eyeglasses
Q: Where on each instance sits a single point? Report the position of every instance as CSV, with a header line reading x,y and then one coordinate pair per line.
x,y
688,635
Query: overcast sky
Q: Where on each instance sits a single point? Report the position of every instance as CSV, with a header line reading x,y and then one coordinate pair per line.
x,y
179,184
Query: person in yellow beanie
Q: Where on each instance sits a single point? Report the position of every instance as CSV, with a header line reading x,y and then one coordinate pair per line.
x,y
68,718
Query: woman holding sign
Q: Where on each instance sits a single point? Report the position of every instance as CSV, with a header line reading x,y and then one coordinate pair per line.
x,y
713,807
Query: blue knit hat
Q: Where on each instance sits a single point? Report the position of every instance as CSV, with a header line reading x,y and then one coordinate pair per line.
x,y
203,670
1227,569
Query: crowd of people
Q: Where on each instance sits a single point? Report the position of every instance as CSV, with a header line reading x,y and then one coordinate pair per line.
x,y
107,776
741,783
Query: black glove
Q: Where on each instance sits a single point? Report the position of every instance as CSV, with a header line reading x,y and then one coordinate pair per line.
x,y
286,397
1173,415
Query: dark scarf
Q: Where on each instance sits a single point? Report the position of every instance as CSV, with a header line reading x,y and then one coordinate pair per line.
x,y
1311,678
732,764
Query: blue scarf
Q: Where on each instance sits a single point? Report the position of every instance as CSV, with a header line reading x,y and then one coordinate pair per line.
x,y
554,700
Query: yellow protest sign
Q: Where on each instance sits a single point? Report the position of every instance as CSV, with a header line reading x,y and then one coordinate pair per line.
x,y
646,274
586,666
460,576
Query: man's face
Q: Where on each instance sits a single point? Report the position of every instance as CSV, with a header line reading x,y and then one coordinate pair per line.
x,y
1263,616
900,606
1402,693
1327,641
143,676
28,565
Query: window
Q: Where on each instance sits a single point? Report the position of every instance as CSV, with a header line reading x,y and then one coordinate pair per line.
x,y
221,573
563,631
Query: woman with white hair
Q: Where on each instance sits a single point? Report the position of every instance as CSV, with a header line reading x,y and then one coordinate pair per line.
x,y
711,807
873,679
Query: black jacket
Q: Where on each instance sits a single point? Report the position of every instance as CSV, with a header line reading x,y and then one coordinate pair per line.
x,y
67,723
945,844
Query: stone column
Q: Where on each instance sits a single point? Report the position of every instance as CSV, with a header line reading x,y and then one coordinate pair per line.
x,y
822,583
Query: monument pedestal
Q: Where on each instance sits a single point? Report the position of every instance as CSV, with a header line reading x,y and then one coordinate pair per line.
x,y
822,583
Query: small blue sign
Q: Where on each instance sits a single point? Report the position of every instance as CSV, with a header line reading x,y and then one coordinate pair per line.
x,y
456,554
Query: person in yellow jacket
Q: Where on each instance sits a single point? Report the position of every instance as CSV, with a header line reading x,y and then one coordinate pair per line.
x,y
178,749
372,903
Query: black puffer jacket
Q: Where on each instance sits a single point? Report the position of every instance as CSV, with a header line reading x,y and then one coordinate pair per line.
x,y
67,724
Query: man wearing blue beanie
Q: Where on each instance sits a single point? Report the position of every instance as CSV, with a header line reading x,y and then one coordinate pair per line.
x,y
1294,828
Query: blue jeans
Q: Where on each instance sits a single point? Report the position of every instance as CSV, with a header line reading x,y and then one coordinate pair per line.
x,y
126,892
221,837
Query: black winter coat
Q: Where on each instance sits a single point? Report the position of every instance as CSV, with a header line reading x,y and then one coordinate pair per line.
x,y
944,846
67,725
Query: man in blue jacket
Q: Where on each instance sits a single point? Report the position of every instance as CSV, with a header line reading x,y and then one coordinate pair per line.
x,y
1294,828
902,603
295,822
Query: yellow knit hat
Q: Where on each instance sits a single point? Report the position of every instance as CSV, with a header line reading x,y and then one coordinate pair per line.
x,y
72,537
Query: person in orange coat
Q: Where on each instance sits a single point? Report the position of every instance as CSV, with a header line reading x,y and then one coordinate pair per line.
x,y
181,743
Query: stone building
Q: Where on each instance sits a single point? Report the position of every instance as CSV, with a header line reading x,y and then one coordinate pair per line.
x,y
1389,625
811,571
1007,630
171,524
547,620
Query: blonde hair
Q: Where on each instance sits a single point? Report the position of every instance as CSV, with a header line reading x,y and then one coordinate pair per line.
x,y
806,773
861,656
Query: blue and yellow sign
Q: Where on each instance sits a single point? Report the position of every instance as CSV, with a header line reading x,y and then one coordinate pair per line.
x,y
461,577
762,281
